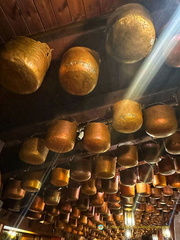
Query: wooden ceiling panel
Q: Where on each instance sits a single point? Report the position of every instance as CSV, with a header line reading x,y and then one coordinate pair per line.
x,y
92,8
77,10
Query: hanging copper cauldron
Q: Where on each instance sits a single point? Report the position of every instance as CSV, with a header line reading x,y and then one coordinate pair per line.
x,y
159,181
130,33
105,166
145,173
32,181
89,187
127,116
96,138
14,190
75,214
110,186
174,180
166,166
151,152
34,215
97,200
127,155
155,193
144,189
160,121
73,223
128,176
52,197
37,205
127,191
33,151
81,170
61,136
128,201
172,144
60,177
103,210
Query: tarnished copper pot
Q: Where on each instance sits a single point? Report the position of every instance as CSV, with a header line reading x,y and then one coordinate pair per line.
x,y
145,173
110,186
113,198
90,212
160,121
127,191
14,205
33,151
34,215
32,181
73,192
128,177
61,136
159,181
52,210
130,33
89,187
65,207
83,202
14,190
81,170
155,193
151,152
52,197
75,214
46,219
79,70
172,143
96,138
127,116
174,180
37,205
60,177
144,189
167,191
105,166
127,156
97,200
64,217
166,166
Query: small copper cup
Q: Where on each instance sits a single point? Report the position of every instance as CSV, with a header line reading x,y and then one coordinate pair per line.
x,y
166,166
60,177
127,201
103,210
105,166
81,170
127,155
140,207
73,193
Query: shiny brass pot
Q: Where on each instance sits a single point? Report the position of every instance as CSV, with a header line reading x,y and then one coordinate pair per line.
x,y
61,136
81,170
60,177
127,116
32,181
160,121
105,166
14,190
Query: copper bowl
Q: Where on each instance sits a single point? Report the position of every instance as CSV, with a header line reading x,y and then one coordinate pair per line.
x,y
14,190
127,156
105,166
160,121
127,116
96,138
60,177
151,152
81,170
61,136
37,205
33,151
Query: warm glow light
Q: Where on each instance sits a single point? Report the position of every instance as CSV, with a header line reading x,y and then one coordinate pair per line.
x,y
12,234
129,218
12,229
128,233
166,232
154,237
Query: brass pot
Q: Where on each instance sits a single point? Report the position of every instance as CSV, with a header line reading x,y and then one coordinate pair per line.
x,y
130,33
75,214
160,121
151,152
81,170
105,166
127,155
159,181
166,166
34,215
172,144
174,180
128,177
97,200
110,186
145,173
37,205
79,70
33,151
61,136
32,181
60,177
127,116
144,189
89,187
127,191
96,138
52,197
14,190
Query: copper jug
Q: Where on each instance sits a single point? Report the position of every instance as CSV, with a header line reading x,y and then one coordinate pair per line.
x,y
61,136
166,166
33,151
32,181
79,70
90,212
37,205
81,170
110,186
167,191
151,152
60,177
156,193
14,190
52,197
174,180
177,164
89,187
96,138
172,143
159,181
34,215
73,192
127,191
97,200
127,116
144,189
103,210
145,173
127,155
75,214
83,202
113,198
160,121
65,207
128,176
105,166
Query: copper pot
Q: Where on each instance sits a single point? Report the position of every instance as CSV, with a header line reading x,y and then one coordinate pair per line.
x,y
81,170
97,200
105,166
65,207
96,138
83,220
128,177
151,152
141,199
46,219
160,121
61,136
73,222
110,186
73,192
166,166
144,189
89,187
167,191
34,151
34,215
155,193
103,210
159,181
163,199
127,201
14,190
153,201
159,206
113,198
59,225
114,206
75,214
149,208
127,155
79,70
177,164
52,210
173,59
172,144
145,173
174,180
52,197
83,202
60,177
37,205
90,212
127,191
32,181
64,217
14,205
140,207
127,116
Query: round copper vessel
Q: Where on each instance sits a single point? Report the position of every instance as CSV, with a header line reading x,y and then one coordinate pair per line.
x,y
151,152
155,193
127,201
65,207
52,210
103,210
114,206
81,170
37,205
174,180
83,202
127,191
144,189
64,217
166,166
172,144
167,191
46,219
79,70
97,200
83,220
140,207
52,197
159,181
110,186
128,177
96,138
61,136
160,121
59,225
89,187
113,198
34,151
32,181
14,190
145,173
60,177
130,33
14,205
127,116
34,215
73,192
105,166
127,156
90,212
75,214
